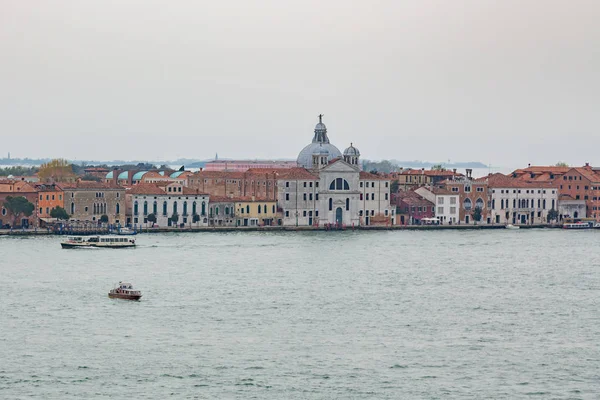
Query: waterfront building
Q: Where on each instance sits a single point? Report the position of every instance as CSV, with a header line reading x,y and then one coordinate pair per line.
x,y
411,208
255,212
221,211
50,195
245,165
515,201
18,188
171,203
473,194
88,201
568,207
446,203
410,179
257,183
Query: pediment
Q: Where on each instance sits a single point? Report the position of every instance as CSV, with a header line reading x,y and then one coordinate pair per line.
x,y
339,166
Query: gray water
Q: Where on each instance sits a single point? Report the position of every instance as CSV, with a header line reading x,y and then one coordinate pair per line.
x,y
343,315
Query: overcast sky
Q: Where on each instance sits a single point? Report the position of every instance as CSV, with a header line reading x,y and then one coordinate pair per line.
x,y
505,82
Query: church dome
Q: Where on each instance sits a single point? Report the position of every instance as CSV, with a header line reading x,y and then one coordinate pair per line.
x,y
352,151
320,143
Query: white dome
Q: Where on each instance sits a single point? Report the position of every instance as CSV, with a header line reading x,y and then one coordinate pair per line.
x,y
351,151
320,145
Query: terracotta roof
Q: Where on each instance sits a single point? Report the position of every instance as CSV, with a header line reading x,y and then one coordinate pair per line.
x,y
542,169
221,199
217,175
411,198
373,177
146,188
89,185
297,173
499,180
587,173
428,172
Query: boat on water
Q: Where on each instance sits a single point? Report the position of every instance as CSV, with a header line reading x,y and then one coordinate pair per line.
x,y
124,231
110,242
577,225
124,291
511,226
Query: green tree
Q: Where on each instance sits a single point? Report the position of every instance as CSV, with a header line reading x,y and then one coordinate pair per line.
x,y
477,214
59,213
552,215
175,218
438,167
394,187
562,164
104,218
18,206
151,218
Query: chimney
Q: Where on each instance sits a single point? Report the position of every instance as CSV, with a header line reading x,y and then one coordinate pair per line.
x,y
469,172
529,165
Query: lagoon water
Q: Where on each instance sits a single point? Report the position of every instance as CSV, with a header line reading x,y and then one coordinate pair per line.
x,y
343,315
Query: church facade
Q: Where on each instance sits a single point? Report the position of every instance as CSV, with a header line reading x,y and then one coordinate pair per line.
x,y
328,187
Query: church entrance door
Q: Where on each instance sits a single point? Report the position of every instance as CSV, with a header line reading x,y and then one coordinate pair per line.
x,y
338,215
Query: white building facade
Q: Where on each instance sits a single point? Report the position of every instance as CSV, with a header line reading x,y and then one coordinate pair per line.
x,y
517,202
446,203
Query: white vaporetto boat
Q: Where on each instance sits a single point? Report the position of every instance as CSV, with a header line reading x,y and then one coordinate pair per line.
x,y
110,242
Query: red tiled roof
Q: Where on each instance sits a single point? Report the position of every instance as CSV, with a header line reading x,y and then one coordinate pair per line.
x,y
498,180
89,185
297,173
146,188
373,177
587,173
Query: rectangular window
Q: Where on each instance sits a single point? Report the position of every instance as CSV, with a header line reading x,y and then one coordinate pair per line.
x,y
452,200
310,196
287,213
455,189
310,184
440,210
316,213
386,196
287,184
304,184
304,213
304,197
361,184
452,210
316,196
372,184
480,189
440,200
287,197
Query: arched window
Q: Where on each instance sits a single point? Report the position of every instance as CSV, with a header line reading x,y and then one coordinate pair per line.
x,y
259,208
216,210
226,210
467,204
273,208
72,208
339,184
247,209
347,204
203,208
185,208
479,203
194,208
164,208
330,204
145,208
265,208
135,208
154,208
174,207
118,208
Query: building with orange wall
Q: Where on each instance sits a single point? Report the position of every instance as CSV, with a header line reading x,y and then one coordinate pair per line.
x,y
49,196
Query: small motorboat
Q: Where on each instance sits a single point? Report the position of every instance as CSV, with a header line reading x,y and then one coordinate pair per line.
x,y
511,226
124,291
124,231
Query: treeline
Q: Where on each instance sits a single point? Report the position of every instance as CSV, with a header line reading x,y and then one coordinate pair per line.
x,y
19,171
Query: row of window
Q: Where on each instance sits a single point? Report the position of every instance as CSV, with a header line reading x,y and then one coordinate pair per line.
x,y
48,197
165,206
522,203
532,191
97,208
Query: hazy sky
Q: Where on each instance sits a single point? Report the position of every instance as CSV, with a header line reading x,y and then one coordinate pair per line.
x,y
506,82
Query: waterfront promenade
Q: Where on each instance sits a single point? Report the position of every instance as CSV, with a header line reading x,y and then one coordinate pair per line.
x,y
44,232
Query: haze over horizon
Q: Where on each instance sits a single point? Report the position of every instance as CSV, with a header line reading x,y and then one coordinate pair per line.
x,y
505,83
